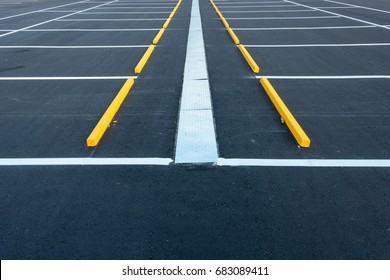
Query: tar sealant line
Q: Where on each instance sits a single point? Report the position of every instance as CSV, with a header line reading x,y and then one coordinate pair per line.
x,y
326,77
368,163
196,139
83,161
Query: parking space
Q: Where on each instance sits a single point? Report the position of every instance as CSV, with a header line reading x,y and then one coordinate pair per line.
x,y
62,70
331,72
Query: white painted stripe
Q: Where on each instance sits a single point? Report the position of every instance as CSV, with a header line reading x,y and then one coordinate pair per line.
x,y
51,20
68,11
73,47
83,161
42,10
304,28
196,139
358,6
340,15
327,77
91,30
369,163
280,18
266,6
280,11
66,78
222,3
338,7
318,45
144,8
112,19
272,11
122,13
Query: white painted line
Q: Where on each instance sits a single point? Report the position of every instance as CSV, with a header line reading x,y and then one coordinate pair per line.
x,y
327,77
57,18
144,8
282,18
304,28
266,6
196,139
358,6
340,15
49,11
221,3
122,13
83,161
66,78
90,30
112,19
368,163
73,47
42,10
271,11
338,7
318,45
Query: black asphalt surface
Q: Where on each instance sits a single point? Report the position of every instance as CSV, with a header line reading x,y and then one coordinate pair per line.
x,y
193,212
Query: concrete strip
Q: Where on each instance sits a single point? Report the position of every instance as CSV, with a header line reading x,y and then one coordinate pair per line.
x,y
196,138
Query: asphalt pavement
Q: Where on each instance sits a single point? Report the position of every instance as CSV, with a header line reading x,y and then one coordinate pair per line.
x,y
63,62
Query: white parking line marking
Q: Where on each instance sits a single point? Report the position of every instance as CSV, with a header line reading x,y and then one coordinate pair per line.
x,y
221,3
91,30
74,47
305,162
327,77
196,139
358,6
123,13
304,28
111,19
271,11
66,78
84,161
283,18
340,15
318,45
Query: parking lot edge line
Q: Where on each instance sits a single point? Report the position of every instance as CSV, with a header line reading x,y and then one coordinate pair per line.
x,y
144,59
158,36
252,63
107,117
297,131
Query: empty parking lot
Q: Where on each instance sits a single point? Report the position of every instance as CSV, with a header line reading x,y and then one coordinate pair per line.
x,y
196,163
